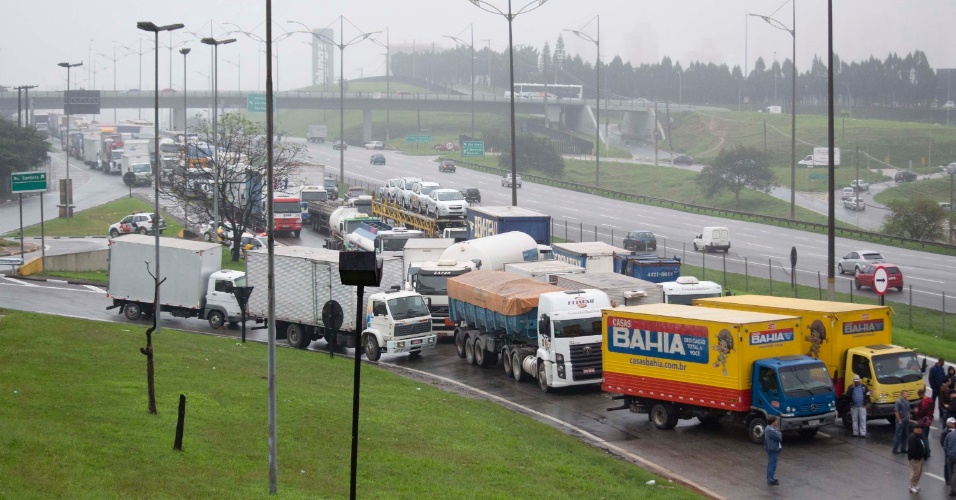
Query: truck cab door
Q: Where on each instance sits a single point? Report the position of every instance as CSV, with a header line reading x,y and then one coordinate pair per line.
x,y
220,293
380,319
766,393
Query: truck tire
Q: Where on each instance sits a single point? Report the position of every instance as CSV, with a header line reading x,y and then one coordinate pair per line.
x,y
480,354
506,362
372,351
296,337
516,370
695,247
216,319
460,343
470,350
543,377
756,429
296,233
132,311
662,416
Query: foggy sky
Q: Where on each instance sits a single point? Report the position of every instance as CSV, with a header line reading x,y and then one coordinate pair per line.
x,y
35,36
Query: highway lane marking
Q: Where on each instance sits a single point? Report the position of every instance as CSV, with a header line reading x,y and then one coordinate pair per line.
x,y
922,279
94,288
597,441
21,282
758,246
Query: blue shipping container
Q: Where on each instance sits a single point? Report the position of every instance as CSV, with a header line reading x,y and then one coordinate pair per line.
x,y
489,221
648,267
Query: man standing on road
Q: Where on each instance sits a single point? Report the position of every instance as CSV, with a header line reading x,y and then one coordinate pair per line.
x,y
773,442
916,455
859,397
943,398
902,410
936,376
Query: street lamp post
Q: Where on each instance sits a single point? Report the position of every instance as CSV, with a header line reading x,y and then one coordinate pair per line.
x,y
472,47
341,45
69,185
185,51
114,59
490,53
215,114
238,64
597,101
509,16
148,26
388,89
793,103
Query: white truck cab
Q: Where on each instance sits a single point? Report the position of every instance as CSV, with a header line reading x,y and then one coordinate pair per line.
x,y
569,339
397,322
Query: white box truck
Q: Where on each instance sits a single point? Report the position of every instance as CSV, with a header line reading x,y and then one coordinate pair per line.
x,y
193,286
595,256
91,149
308,284
139,165
622,290
317,133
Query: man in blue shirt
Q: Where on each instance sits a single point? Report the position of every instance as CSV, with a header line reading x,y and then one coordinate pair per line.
x,y
859,397
773,442
902,410
936,376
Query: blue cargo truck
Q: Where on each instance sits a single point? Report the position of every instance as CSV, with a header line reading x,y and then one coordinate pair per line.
x,y
647,267
489,221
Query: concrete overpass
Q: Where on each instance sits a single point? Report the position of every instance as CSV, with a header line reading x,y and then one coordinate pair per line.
x,y
577,114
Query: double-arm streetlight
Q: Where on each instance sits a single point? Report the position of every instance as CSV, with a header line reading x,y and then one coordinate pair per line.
x,y
388,79
509,16
215,114
597,101
114,59
151,27
472,47
341,45
275,42
140,52
69,108
793,103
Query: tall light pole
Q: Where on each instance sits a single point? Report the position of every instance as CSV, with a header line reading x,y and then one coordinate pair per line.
x,y
472,47
185,51
490,53
238,64
114,59
793,103
69,108
388,89
597,102
342,46
148,26
274,41
215,114
171,47
509,16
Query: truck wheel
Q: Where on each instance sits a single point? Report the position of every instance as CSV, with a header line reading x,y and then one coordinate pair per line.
x,y
372,351
470,350
756,429
460,343
216,319
516,370
415,354
506,362
808,433
695,247
296,233
481,354
543,378
662,416
132,311
296,337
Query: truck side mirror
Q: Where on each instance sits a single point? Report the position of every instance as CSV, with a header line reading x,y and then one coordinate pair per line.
x,y
544,325
922,368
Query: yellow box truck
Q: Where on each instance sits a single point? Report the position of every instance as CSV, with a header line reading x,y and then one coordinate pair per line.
x,y
679,362
850,339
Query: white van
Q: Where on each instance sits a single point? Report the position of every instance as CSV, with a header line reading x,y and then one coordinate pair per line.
x,y
713,238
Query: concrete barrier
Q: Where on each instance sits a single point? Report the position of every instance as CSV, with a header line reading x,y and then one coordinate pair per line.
x,y
94,260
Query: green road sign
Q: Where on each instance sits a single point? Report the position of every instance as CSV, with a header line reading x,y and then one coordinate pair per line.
x,y
29,182
256,103
819,176
473,148
418,138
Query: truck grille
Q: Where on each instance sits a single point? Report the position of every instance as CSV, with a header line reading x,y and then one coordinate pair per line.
x,y
415,328
586,361
439,311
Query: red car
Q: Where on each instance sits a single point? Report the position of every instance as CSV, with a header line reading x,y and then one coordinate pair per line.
x,y
448,146
864,277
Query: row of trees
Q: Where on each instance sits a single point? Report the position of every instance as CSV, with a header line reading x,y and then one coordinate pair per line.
x,y
904,80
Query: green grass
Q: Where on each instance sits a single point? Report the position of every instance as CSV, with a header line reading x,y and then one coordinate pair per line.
x,y
74,423
933,189
96,221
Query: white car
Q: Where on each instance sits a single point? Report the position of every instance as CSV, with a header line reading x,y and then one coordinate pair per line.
x,y
858,259
140,223
402,191
210,230
446,203
385,189
860,185
374,145
847,193
506,180
854,204
420,191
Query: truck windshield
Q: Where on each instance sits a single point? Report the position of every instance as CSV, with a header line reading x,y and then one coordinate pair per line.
x,y
407,307
897,368
286,207
394,244
805,380
307,196
579,327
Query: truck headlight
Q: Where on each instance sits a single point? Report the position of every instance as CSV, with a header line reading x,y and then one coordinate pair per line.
x,y
431,340
559,358
832,405
401,344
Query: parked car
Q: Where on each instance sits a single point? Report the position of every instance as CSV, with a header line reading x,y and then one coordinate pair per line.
x,y
860,185
847,193
640,241
683,160
384,192
854,204
374,145
447,147
445,203
905,176
420,190
139,222
507,182
337,145
446,166
472,195
377,159
398,193
894,277
858,259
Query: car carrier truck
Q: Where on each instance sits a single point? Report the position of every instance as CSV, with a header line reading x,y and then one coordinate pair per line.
x,y
851,339
193,284
308,283
679,362
540,331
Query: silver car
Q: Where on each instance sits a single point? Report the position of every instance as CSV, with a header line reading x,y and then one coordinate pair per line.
x,y
858,259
